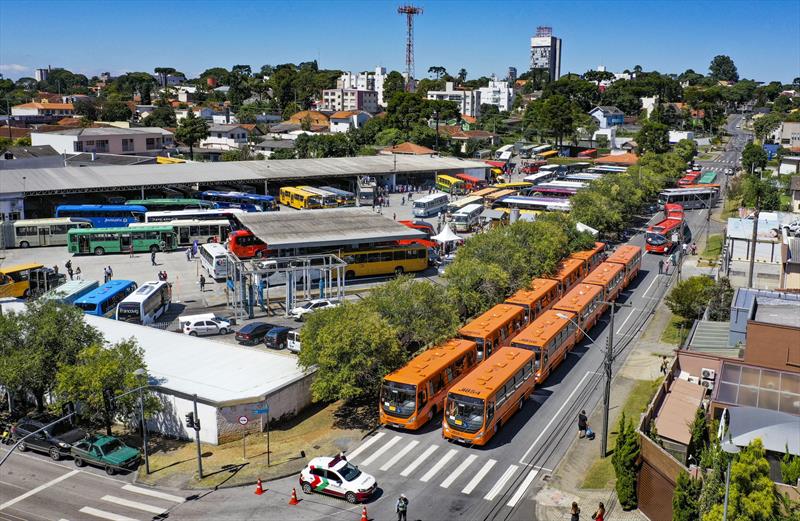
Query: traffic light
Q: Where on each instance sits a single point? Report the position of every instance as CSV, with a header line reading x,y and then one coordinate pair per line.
x,y
109,400
190,420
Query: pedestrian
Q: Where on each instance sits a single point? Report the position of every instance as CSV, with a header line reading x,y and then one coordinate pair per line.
x,y
394,216
78,273
660,266
188,254
600,514
130,248
55,269
403,201
153,258
110,273
684,246
575,512
402,508
68,264
165,276
583,424
69,272
410,196
202,283
694,248
664,365
105,275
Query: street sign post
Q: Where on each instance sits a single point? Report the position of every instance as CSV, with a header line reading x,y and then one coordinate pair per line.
x,y
243,421
265,410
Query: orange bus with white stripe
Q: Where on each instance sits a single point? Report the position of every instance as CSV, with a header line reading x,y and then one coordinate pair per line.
x,y
413,394
630,257
494,328
486,399
550,337
570,272
593,257
586,302
540,296
610,276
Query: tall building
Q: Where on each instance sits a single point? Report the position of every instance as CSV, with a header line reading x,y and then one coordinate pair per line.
x,y
546,52
469,101
41,74
372,81
499,94
512,75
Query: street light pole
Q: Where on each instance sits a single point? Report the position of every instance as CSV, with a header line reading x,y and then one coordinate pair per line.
x,y
730,449
142,373
197,441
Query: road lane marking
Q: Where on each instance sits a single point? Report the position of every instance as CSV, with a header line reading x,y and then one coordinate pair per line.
x,y
153,493
105,515
378,453
626,320
38,489
461,468
554,418
364,446
416,463
522,488
439,465
397,457
501,483
134,504
650,286
478,477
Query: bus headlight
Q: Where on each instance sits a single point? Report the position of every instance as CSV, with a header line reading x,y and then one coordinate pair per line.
x,y
479,436
411,420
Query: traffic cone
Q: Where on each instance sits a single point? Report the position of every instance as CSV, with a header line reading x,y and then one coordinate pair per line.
x,y
293,500
259,489
364,514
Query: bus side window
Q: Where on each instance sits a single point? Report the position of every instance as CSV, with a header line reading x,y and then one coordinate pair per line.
x,y
490,410
438,384
422,398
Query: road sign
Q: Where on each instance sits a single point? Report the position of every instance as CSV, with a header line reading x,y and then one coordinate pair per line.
x,y
243,420
261,411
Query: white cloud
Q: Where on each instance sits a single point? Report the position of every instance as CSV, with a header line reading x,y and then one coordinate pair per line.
x,y
13,67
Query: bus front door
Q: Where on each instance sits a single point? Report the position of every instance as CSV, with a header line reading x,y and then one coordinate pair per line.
x,y
169,242
125,242
83,244
44,236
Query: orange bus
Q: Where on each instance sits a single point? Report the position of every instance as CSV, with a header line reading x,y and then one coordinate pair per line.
x,y
482,402
494,328
586,302
550,337
540,296
483,192
593,257
413,394
630,257
610,276
570,272
494,196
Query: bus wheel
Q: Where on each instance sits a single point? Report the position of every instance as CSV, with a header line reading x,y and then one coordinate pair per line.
x,y
153,248
398,271
24,244
99,250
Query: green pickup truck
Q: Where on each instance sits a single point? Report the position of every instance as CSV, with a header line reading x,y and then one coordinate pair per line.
x,y
107,452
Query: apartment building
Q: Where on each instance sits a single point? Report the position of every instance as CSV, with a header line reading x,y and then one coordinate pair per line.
x,y
337,100
373,81
469,101
499,94
143,141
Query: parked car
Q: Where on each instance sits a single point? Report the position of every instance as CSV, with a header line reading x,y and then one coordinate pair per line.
x,y
253,333
55,440
337,477
107,452
293,341
277,337
300,312
206,326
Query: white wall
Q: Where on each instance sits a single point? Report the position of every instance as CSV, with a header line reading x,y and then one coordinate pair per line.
x,y
171,421
61,143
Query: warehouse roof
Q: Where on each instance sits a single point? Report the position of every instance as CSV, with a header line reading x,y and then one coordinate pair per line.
x,y
82,179
313,228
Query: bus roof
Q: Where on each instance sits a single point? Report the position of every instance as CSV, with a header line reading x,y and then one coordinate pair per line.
x,y
488,322
578,297
50,220
20,267
487,378
483,192
197,211
450,178
603,273
165,200
514,184
102,207
144,291
469,208
297,190
470,178
431,361
338,191
68,288
529,297
566,267
624,254
587,254
181,222
91,231
548,153
544,328
430,198
100,294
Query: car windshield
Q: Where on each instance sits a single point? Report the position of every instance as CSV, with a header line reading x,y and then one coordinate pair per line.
x,y
464,412
349,472
398,399
60,428
110,446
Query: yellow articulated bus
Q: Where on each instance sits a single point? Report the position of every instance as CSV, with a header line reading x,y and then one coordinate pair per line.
x,y
516,186
299,199
15,280
451,185
487,397
385,261
413,394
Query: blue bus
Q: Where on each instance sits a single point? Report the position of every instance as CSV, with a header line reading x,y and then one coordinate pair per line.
x,y
104,215
103,301
70,291
242,200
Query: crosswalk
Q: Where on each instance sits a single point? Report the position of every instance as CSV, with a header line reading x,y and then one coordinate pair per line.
x,y
445,466
139,502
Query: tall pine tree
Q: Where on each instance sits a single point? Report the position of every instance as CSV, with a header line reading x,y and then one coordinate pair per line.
x,y
626,454
685,500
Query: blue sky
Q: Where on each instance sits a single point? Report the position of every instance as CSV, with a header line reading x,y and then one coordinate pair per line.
x,y
484,37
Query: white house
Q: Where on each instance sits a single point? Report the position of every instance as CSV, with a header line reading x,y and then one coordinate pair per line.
x,y
345,120
199,112
608,116
786,135
43,108
225,137
499,94
649,104
677,135
469,101
140,141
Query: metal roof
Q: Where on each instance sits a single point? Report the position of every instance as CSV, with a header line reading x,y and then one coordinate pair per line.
x,y
40,181
314,228
778,431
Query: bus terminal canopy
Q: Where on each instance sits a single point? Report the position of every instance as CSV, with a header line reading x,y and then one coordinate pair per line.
x,y
349,227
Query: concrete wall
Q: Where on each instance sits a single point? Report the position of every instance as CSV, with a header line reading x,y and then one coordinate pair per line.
x,y
766,251
773,345
171,421
60,143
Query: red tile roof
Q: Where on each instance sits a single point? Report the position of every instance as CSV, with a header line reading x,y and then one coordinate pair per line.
x,y
469,119
16,132
409,149
46,105
626,159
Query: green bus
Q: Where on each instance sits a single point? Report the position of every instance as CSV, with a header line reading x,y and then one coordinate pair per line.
x,y
707,178
159,205
119,240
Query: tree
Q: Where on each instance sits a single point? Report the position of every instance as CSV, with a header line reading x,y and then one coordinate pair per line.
x,y
689,297
685,505
686,149
163,73
86,108
790,468
98,368
553,116
393,83
764,126
714,460
624,460
753,158
474,287
598,76
462,75
699,437
191,131
115,111
760,193
723,68
437,70
249,113
162,117
353,348
721,295
653,137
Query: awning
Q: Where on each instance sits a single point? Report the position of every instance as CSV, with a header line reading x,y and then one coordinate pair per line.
x,y
777,430
492,214
446,235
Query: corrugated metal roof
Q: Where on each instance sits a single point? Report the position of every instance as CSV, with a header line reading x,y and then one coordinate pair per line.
x,y
676,415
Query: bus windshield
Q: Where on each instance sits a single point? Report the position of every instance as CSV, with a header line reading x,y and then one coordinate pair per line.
x,y
399,399
655,238
129,312
87,306
464,412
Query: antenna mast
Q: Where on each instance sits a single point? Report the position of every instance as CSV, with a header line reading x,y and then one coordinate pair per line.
x,y
410,11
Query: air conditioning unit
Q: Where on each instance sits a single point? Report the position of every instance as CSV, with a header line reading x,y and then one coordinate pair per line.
x,y
684,375
708,374
708,384
693,380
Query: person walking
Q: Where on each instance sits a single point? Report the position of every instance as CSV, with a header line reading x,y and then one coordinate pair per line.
x,y
105,275
78,273
153,258
575,512
394,216
70,272
402,508
694,248
583,424
188,254
130,249
660,266
68,266
403,201
110,273
600,514
202,283
684,246
664,365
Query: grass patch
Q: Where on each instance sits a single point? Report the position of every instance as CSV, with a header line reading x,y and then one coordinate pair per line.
x,y
713,248
674,334
601,473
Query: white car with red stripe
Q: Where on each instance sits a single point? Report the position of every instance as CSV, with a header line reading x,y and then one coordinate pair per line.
x,y
337,477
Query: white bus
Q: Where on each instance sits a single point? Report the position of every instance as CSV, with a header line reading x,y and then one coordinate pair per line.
x,y
214,258
462,203
45,232
185,215
431,205
466,218
146,304
504,152
198,230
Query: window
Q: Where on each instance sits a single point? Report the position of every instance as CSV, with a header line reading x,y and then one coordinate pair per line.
x,y
26,231
150,143
127,145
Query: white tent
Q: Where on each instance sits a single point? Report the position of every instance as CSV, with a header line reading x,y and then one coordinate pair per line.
x,y
446,235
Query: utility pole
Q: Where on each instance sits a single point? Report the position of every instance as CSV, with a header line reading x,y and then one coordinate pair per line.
x,y
197,440
608,365
753,240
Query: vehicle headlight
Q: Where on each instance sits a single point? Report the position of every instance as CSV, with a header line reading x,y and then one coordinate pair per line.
x,y
412,418
479,436
63,445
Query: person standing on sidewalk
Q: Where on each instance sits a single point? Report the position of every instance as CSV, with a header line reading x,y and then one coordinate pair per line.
x,y
575,512
600,514
202,283
664,365
402,508
153,258
583,424
660,266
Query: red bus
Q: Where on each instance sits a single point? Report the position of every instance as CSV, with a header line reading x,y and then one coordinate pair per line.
x,y
471,182
659,236
689,178
245,245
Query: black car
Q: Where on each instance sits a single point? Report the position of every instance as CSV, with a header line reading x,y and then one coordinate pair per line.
x,y
276,337
55,440
253,333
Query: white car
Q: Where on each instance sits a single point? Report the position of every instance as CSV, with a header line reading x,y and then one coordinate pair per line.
x,y
300,312
337,477
206,326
